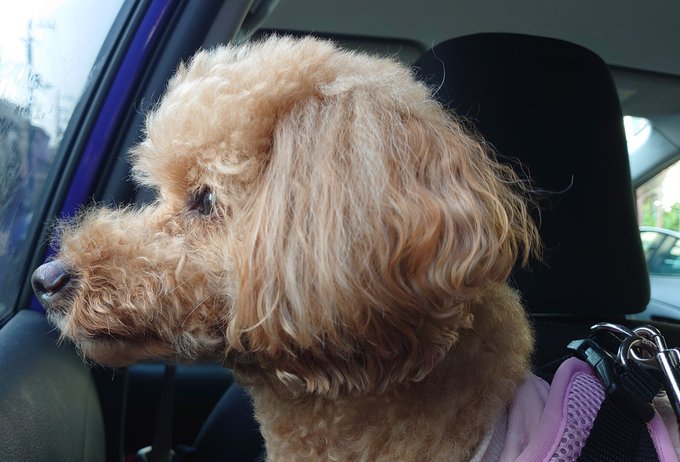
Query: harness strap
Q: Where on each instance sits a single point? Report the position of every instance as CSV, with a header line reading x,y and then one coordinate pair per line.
x,y
619,432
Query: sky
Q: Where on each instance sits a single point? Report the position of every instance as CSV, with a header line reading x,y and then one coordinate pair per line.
x,y
638,133
671,187
67,35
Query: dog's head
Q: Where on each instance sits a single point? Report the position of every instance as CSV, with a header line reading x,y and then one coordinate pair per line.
x,y
319,219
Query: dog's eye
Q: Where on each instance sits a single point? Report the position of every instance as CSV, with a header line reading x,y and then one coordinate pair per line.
x,y
203,201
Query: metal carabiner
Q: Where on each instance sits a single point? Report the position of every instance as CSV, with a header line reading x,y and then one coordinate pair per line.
x,y
653,334
668,361
671,376
613,328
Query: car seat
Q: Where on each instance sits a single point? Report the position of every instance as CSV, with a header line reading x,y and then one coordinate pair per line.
x,y
549,109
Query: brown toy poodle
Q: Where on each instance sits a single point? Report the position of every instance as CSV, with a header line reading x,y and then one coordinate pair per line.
x,y
327,230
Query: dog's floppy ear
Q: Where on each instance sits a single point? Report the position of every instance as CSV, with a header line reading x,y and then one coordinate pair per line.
x,y
377,223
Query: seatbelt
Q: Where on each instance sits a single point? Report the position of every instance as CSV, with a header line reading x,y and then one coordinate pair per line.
x,y
161,446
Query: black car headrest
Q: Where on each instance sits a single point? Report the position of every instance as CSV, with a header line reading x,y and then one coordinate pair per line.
x,y
553,106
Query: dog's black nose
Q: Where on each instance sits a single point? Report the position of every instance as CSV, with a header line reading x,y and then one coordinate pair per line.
x,y
49,280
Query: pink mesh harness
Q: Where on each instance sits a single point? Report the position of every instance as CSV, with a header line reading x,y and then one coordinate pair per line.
x,y
550,423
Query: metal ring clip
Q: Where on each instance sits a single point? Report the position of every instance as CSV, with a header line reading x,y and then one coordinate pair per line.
x,y
638,348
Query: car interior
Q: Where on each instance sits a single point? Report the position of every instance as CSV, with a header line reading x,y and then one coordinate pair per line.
x,y
545,85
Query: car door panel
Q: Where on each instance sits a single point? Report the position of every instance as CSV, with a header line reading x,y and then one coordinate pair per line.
x,y
49,407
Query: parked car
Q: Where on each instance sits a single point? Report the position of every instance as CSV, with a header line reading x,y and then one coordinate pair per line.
x,y
75,79
662,251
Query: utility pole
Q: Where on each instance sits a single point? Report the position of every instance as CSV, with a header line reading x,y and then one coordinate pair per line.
x,y
31,75
61,116
34,79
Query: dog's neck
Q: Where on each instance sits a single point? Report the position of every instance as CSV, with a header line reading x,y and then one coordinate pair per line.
x,y
442,417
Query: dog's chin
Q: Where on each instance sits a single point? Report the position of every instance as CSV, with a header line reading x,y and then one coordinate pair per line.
x,y
113,350
116,352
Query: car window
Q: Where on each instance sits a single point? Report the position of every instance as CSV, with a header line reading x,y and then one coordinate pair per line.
x,y
658,199
48,58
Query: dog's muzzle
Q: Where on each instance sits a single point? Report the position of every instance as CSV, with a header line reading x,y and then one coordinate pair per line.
x,y
49,282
